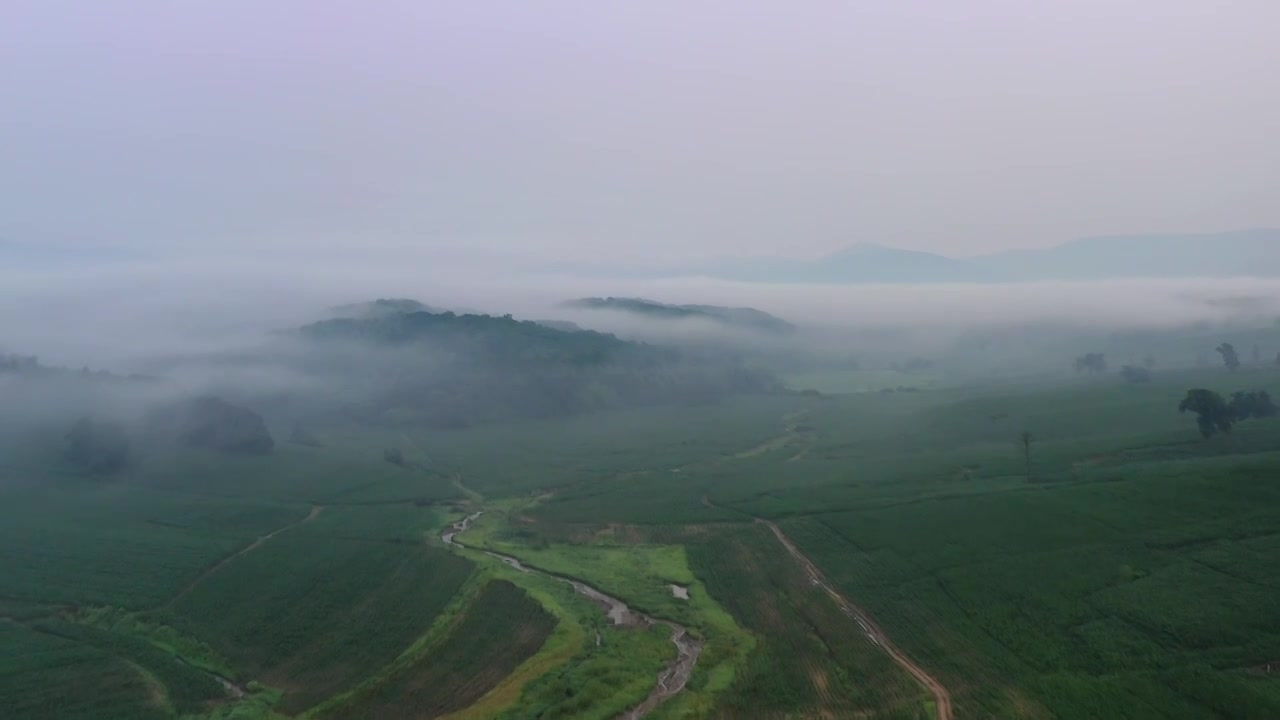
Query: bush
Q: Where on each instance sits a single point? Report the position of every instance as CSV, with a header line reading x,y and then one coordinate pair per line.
x,y
214,424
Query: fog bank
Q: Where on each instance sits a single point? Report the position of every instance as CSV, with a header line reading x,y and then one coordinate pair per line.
x,y
116,316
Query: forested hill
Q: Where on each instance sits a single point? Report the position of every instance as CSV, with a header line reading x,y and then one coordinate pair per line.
x,y
744,318
450,370
29,367
491,340
382,307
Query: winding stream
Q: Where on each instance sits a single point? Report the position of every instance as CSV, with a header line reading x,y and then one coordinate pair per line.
x,y
670,681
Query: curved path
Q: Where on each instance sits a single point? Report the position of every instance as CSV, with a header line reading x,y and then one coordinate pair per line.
x,y
688,648
941,698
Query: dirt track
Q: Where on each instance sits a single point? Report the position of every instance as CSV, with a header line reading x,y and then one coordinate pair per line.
x,y
941,698
315,512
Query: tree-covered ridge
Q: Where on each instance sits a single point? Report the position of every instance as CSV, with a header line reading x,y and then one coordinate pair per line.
x,y
495,340
383,307
30,366
746,318
448,370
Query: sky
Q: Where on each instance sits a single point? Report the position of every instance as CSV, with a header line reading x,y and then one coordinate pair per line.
x,y
629,132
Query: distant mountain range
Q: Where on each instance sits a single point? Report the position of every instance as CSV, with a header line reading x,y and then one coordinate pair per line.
x,y
744,318
1246,253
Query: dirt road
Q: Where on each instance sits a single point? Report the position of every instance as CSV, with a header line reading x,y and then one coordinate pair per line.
x,y
941,698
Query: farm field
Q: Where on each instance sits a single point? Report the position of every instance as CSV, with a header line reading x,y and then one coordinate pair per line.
x,y
47,676
1127,570
496,632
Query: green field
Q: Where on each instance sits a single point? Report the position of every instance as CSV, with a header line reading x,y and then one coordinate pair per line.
x,y
496,632
48,676
1130,570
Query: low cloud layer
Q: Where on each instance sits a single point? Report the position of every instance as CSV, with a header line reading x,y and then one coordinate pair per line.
x,y
117,316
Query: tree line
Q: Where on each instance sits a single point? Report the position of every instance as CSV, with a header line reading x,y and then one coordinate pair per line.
x,y
1095,363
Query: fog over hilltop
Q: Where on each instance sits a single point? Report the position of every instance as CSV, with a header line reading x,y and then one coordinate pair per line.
x,y
115,316
187,179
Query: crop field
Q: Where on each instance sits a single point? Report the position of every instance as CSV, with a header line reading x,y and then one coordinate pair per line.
x,y
49,677
187,690
83,548
1128,567
350,472
496,632
860,381
1129,575
811,661
346,607
557,454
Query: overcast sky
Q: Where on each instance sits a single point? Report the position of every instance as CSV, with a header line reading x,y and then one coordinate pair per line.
x,y
620,131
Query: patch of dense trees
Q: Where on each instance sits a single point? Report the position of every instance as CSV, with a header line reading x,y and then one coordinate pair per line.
x,y
1215,414
30,366
98,448
19,363
214,424
102,448
1092,363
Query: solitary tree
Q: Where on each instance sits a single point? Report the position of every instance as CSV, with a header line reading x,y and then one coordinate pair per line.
x,y
1213,415
1278,358
1229,356
1149,362
394,456
1025,441
1257,354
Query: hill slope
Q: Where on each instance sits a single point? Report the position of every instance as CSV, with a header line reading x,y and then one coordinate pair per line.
x,y
457,370
744,318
